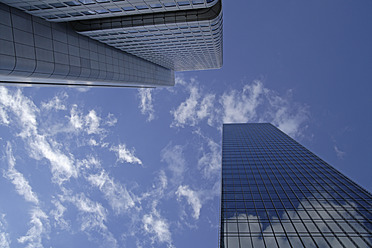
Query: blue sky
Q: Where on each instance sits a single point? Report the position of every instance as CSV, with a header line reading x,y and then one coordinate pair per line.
x,y
141,168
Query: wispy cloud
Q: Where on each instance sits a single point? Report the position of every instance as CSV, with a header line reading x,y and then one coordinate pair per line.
x,y
340,154
90,123
58,213
253,103
4,236
62,166
195,108
22,186
93,218
154,224
241,106
125,155
4,119
39,227
76,118
210,161
146,103
22,108
24,114
111,120
173,155
191,197
57,103
118,197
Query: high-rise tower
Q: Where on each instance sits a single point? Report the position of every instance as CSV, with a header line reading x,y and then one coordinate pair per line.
x,y
276,193
108,42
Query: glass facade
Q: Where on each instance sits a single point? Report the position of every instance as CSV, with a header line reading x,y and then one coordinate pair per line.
x,y
177,35
62,10
38,52
276,193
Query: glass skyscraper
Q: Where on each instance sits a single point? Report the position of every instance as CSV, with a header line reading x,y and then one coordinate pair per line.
x,y
276,193
108,42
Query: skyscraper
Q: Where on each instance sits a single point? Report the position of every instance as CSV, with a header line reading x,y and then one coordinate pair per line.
x,y
108,42
276,193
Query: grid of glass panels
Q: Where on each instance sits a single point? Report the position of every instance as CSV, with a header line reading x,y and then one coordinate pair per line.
x,y
62,10
37,51
276,193
177,46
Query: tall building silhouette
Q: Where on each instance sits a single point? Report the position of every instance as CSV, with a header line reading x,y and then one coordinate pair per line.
x,y
276,193
108,42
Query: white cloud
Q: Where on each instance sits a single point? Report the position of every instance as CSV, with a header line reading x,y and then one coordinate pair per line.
x,y
39,227
19,181
23,109
88,163
111,120
84,204
58,213
4,119
206,109
4,236
340,154
210,162
62,166
118,197
281,111
93,142
89,123
56,103
92,122
242,106
174,157
253,103
93,218
192,199
24,112
76,118
125,155
194,109
153,223
146,105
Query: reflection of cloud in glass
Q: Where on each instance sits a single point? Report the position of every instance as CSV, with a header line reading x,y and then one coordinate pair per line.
x,y
330,225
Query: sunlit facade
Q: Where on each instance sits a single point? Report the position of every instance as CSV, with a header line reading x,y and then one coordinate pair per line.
x,y
108,42
276,193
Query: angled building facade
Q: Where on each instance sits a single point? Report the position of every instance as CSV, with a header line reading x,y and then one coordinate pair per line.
x,y
108,42
276,193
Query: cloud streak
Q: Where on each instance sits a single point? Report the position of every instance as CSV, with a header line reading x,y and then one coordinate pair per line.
x,y
146,103
192,199
118,197
93,218
124,155
4,236
173,155
24,113
39,227
56,103
194,109
253,103
22,186
154,224
340,154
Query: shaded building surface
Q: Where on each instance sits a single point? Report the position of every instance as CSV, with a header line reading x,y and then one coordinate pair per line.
x,y
276,193
108,42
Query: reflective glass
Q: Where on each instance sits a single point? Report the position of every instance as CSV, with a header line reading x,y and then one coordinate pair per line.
x,y
282,195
